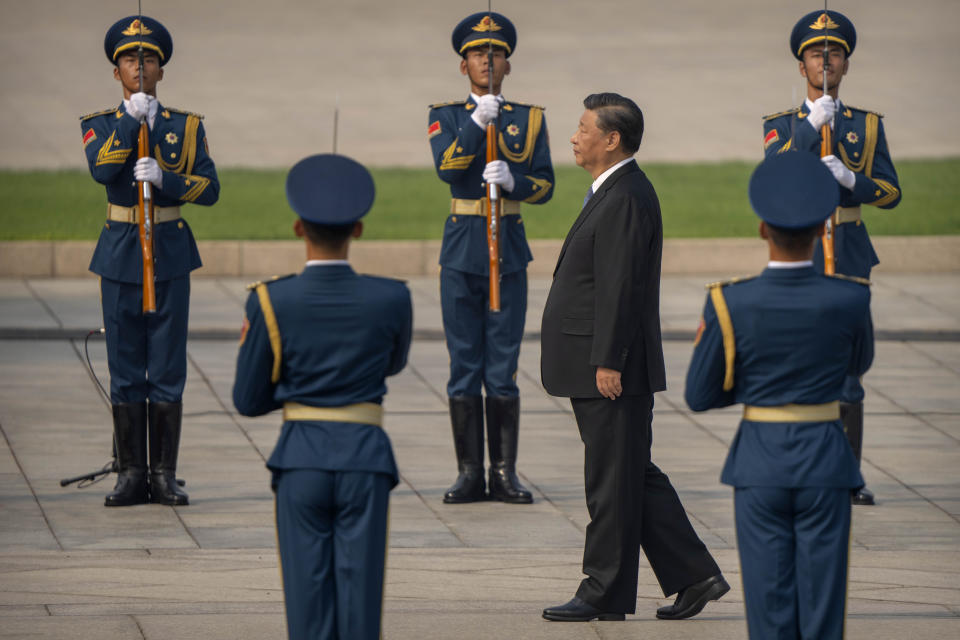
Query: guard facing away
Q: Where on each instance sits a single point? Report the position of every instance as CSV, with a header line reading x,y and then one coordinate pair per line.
x,y
146,352
781,344
858,158
319,345
484,345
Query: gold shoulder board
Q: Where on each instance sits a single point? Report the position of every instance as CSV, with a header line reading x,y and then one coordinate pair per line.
x,y
98,113
447,104
781,113
723,283
850,106
254,285
865,282
526,104
186,113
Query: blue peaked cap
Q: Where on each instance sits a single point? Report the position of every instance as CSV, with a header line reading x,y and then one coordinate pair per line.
x,y
134,32
812,28
330,189
481,30
793,190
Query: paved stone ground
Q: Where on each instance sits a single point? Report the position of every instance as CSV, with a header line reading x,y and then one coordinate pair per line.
x,y
70,568
268,76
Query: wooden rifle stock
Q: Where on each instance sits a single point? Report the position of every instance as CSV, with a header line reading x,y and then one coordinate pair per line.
x,y
145,222
493,222
829,262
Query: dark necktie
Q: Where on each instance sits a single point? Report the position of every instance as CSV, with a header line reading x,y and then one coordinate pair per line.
x,y
587,197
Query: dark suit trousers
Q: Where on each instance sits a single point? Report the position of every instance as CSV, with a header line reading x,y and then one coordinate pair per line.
x,y
631,505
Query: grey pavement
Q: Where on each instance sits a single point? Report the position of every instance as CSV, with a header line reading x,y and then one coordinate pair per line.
x,y
69,568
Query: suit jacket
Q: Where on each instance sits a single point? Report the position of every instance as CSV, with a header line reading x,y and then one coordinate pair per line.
x,y
603,309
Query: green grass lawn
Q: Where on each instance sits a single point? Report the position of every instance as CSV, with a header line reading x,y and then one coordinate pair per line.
x,y
698,201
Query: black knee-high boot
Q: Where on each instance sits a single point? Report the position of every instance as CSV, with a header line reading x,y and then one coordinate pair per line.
x,y
165,421
503,431
851,415
466,417
130,438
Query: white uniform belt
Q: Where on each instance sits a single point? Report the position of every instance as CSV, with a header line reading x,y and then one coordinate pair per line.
x,y
793,413
846,214
131,214
479,207
362,412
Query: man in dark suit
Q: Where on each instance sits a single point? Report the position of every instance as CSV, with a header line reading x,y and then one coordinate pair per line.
x,y
601,348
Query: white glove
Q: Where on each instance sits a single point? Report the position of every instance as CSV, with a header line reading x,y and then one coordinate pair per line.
x,y
824,108
488,108
498,172
840,171
140,105
147,170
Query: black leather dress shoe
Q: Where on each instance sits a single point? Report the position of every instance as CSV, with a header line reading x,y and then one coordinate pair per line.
x,y
578,611
693,599
862,496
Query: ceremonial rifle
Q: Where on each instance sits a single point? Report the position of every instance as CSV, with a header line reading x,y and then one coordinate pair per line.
x,y
493,190
145,195
826,149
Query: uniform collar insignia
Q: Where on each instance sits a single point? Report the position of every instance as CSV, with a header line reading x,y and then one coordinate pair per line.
x,y
470,105
165,113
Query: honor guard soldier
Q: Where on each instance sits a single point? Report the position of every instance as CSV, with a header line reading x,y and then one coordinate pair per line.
x,y
484,345
781,343
146,353
319,345
858,159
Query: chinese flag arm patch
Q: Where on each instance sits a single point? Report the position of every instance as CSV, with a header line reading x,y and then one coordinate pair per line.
x,y
89,137
700,329
244,329
770,138
433,129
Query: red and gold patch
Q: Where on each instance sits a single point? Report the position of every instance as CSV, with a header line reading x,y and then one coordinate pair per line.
x,y
770,138
433,129
244,329
89,137
513,129
852,137
700,329
171,138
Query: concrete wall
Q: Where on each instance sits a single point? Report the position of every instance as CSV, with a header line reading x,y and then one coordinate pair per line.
x,y
255,260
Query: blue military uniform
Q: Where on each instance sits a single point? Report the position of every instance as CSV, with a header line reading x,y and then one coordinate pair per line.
x,y
319,346
147,354
484,346
781,344
860,143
